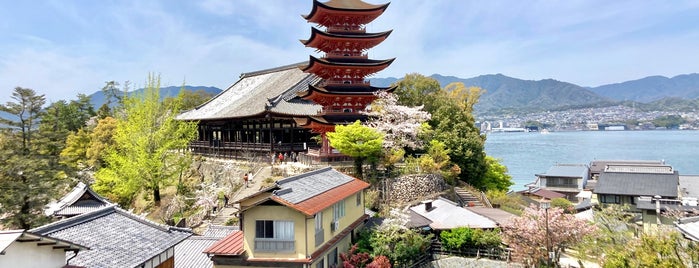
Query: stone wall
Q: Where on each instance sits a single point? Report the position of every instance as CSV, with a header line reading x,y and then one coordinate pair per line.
x,y
410,188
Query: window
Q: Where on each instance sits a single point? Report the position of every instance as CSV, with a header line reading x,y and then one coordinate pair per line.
x,y
332,258
339,210
274,235
321,263
359,198
319,221
613,199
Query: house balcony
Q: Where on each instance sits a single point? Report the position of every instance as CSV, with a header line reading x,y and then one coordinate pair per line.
x,y
274,245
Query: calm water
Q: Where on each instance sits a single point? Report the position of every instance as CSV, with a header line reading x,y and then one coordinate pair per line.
x,y
526,154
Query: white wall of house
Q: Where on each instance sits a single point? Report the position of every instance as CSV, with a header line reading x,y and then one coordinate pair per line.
x,y
30,255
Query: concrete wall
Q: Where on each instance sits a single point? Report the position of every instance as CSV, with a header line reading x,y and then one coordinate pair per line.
x,y
30,255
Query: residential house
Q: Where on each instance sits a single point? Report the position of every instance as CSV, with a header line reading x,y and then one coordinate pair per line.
x,y
21,248
444,214
81,199
117,238
301,221
566,179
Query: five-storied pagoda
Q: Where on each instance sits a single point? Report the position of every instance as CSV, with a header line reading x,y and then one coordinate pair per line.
x,y
344,91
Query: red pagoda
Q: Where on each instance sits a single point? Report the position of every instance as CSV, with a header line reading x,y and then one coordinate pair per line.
x,y
344,91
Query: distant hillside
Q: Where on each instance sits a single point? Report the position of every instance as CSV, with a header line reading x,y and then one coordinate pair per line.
x,y
98,98
503,92
652,88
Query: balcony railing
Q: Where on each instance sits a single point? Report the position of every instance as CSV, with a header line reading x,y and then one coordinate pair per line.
x,y
274,245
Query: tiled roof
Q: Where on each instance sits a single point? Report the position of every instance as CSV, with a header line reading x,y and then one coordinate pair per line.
x,y
298,188
78,201
256,93
314,191
445,214
638,184
566,170
229,245
116,237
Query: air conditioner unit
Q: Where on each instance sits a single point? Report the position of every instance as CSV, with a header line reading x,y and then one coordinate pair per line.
x,y
334,226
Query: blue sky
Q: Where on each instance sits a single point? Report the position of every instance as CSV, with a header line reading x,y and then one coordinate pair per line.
x,y
62,48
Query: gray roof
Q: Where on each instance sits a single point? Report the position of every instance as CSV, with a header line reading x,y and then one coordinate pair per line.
x,y
416,220
500,216
78,201
598,166
567,170
640,168
190,252
689,227
445,214
689,185
638,184
298,188
220,231
273,90
116,238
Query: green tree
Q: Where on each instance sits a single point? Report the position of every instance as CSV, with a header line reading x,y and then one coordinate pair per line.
x,y
147,140
496,177
28,175
669,121
357,141
75,152
563,204
395,241
452,122
618,242
101,138
413,89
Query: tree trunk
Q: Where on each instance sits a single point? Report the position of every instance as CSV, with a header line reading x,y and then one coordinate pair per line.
x,y
156,194
358,166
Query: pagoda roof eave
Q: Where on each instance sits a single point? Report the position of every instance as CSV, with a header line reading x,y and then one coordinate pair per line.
x,y
314,90
313,60
317,35
344,5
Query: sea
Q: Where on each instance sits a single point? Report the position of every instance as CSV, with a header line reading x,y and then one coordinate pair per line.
x,y
526,154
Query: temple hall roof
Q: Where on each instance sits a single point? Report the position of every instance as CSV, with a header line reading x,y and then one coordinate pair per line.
x,y
272,90
81,199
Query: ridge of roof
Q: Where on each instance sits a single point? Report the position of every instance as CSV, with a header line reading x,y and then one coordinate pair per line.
x,y
72,221
272,70
79,219
302,175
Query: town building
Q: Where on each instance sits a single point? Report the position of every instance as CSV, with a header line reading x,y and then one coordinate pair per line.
x,y
566,179
116,238
283,109
301,221
21,248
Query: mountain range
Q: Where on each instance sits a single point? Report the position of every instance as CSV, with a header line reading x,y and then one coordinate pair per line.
x,y
503,93
98,98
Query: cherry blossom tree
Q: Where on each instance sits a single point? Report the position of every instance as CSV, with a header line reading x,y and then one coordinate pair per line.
x,y
401,125
531,237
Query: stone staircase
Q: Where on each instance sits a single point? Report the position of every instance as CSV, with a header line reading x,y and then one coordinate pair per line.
x,y
468,199
223,215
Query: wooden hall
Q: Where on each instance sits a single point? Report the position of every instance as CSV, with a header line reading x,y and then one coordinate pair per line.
x,y
289,109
